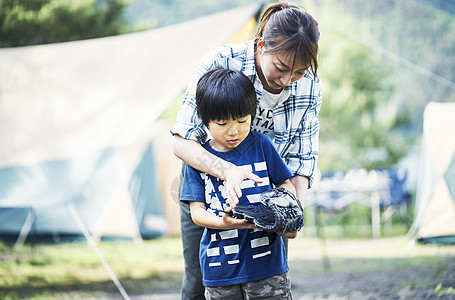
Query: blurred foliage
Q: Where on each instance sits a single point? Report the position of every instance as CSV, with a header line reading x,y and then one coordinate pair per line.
x,y
373,91
360,126
24,22
373,105
145,14
420,31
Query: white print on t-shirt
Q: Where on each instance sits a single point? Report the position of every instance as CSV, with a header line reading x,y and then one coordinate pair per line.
x,y
213,194
263,121
215,190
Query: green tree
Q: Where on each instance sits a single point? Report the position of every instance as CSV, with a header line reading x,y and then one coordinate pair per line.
x,y
360,126
421,33
24,22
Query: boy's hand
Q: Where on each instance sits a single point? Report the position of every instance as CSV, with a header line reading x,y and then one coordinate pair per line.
x,y
231,222
289,235
234,177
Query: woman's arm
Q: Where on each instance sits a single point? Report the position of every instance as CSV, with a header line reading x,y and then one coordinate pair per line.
x,y
193,154
203,218
290,187
302,153
300,184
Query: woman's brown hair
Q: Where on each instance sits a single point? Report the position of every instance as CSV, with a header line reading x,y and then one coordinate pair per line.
x,y
286,28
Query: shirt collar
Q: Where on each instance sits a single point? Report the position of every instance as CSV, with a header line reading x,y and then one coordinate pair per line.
x,y
250,69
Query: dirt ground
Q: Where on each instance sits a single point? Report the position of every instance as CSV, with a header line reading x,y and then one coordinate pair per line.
x,y
363,269
408,283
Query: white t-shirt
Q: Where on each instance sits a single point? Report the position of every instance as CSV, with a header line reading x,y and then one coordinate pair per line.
x,y
263,121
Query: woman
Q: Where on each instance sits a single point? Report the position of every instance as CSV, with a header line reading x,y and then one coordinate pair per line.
x,y
282,64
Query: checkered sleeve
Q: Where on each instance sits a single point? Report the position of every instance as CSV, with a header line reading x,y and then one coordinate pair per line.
x,y
188,124
302,155
232,56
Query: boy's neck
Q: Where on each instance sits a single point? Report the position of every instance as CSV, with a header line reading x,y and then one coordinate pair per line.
x,y
217,147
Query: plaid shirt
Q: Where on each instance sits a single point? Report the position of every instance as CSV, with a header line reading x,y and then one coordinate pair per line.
x,y
296,123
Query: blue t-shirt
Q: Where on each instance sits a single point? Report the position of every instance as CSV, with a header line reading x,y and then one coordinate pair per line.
x,y
236,256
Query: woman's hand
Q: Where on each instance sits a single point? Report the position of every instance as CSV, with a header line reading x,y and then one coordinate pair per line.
x,y
197,157
234,176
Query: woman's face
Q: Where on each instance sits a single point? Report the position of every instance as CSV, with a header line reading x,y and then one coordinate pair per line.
x,y
277,70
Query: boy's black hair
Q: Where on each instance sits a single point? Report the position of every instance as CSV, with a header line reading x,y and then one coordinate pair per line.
x,y
222,94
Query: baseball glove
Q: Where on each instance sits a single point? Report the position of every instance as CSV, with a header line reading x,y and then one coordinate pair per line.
x,y
278,211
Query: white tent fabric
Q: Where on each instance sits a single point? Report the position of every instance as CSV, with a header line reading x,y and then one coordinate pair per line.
x,y
62,100
77,121
77,118
435,199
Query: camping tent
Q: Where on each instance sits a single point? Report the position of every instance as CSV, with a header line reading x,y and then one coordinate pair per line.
x,y
435,199
79,130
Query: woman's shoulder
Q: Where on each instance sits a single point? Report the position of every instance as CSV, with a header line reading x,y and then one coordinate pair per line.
x,y
232,56
232,50
307,85
310,77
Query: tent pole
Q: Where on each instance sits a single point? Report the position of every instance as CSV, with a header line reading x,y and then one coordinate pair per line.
x,y
26,227
375,215
95,248
320,234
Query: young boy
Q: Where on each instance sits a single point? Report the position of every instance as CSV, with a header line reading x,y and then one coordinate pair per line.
x,y
237,261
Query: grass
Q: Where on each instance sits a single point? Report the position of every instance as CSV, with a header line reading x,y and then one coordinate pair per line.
x,y
42,271
43,268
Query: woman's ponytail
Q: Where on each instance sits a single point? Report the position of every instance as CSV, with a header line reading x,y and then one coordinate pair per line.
x,y
286,28
265,17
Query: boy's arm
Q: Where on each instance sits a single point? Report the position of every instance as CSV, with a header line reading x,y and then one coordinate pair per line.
x,y
203,218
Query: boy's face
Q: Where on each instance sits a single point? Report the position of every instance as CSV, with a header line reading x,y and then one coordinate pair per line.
x,y
228,134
